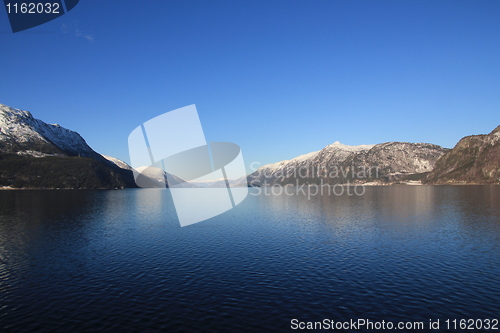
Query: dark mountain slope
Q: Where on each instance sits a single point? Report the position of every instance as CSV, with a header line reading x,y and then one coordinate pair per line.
x,y
474,159
60,172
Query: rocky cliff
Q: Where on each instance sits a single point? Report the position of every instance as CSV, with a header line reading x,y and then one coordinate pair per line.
x,y
474,160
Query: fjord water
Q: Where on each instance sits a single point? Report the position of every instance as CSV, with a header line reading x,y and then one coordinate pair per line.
x,y
77,261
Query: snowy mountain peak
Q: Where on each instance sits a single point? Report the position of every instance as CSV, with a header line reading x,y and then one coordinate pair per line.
x,y
342,146
7,111
21,133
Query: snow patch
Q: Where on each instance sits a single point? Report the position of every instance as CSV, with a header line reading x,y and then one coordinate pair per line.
x,y
119,163
34,153
342,146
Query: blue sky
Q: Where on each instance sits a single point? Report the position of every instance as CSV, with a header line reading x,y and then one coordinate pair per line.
x,y
279,78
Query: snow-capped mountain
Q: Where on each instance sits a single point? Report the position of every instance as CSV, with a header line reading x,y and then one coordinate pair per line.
x,y
338,163
35,154
22,134
119,163
150,176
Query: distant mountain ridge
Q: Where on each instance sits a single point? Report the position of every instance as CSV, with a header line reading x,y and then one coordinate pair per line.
x,y
474,159
338,163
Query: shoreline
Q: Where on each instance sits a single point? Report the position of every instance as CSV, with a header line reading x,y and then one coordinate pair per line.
x,y
8,188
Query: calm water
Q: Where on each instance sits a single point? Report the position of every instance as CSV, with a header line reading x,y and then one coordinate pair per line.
x,y
77,261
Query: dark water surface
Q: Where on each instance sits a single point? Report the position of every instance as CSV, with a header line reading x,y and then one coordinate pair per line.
x,y
117,261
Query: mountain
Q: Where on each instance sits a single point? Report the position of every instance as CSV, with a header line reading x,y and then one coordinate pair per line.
x,y
117,162
34,154
474,159
152,177
338,163
22,134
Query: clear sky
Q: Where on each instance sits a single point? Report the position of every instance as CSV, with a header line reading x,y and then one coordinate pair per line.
x,y
279,78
